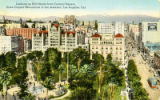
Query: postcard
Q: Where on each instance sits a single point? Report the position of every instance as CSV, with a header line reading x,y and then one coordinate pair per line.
x,y
79,49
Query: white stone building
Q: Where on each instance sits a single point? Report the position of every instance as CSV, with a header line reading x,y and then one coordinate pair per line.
x,y
40,41
54,37
105,28
8,43
113,28
65,41
109,44
119,28
150,32
134,31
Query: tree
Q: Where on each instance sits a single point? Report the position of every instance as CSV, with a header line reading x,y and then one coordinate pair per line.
x,y
83,23
73,70
38,55
61,69
21,73
10,59
30,97
79,57
96,24
43,28
26,26
98,60
111,91
5,78
23,90
33,25
47,84
139,93
109,58
82,83
30,56
30,20
53,57
2,61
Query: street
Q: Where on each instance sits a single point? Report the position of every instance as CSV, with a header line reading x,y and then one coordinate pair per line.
x,y
145,73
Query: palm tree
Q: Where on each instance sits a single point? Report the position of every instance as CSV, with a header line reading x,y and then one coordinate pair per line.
x,y
47,84
100,76
98,60
5,78
29,97
78,56
67,65
73,70
61,69
112,90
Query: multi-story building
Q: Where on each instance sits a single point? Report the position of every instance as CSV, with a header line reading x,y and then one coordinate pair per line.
x,y
40,41
9,43
149,38
68,41
150,32
105,28
65,41
71,40
113,28
118,28
108,44
68,27
24,32
43,26
134,31
54,37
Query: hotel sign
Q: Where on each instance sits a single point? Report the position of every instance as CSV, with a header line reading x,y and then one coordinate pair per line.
x,y
152,26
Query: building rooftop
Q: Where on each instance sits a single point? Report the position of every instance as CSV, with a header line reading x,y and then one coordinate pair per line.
x,y
96,35
153,46
119,35
45,32
56,25
68,32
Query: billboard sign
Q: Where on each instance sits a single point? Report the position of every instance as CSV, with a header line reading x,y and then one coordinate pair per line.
x,y
152,26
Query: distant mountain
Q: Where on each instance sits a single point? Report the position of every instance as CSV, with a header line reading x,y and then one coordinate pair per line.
x,y
17,18
14,18
125,18
46,19
100,18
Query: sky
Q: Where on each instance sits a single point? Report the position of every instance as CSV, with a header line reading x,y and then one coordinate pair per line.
x,y
93,7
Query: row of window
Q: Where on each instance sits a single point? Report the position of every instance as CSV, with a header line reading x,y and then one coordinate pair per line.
x,y
107,48
107,52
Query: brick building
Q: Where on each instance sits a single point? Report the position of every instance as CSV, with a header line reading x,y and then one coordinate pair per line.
x,y
24,32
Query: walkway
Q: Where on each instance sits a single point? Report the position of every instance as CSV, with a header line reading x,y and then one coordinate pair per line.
x,y
62,97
